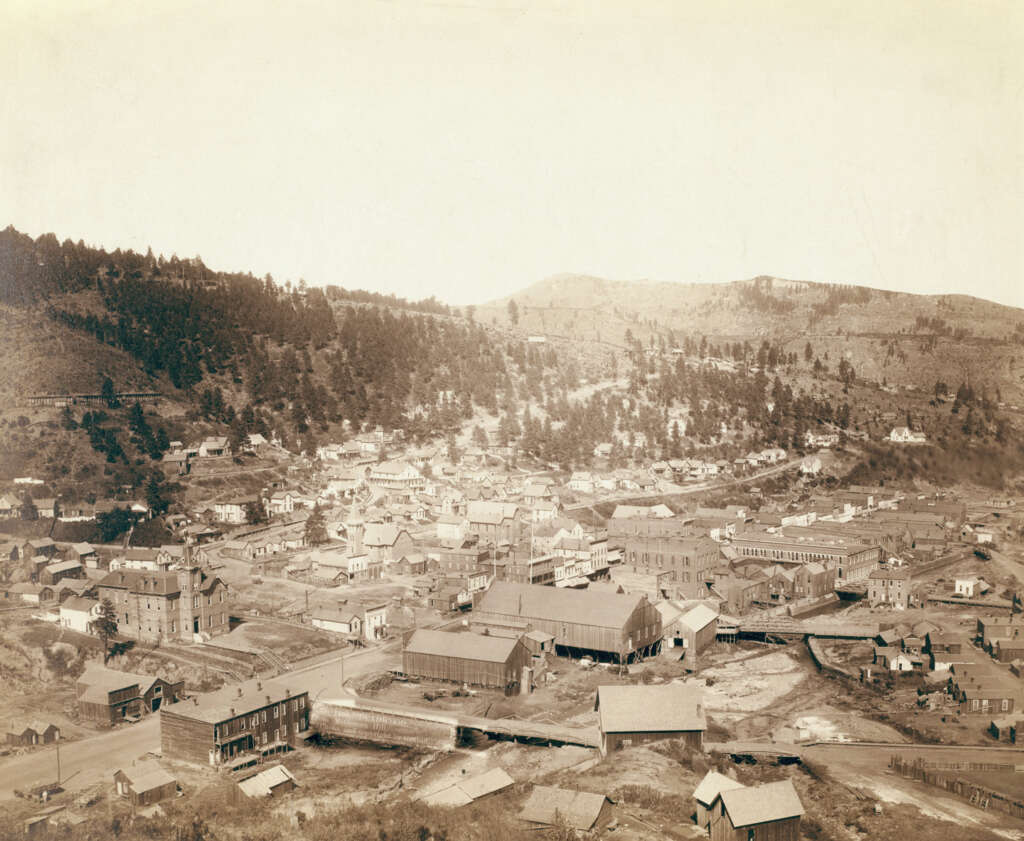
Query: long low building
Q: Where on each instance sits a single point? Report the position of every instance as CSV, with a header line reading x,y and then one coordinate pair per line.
x,y
467,658
852,560
636,715
614,626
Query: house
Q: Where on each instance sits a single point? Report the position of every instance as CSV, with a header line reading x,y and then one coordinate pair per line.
x,y
451,528
78,614
889,587
42,546
583,811
969,587
810,466
84,553
386,543
903,435
53,573
770,810
9,551
236,725
395,475
612,626
234,511
9,506
637,715
144,784
493,522
896,660
46,507
466,658
214,446
271,782
364,620
29,733
31,593
707,793
698,629
582,482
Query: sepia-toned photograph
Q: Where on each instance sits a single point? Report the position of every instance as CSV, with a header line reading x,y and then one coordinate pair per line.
x,y
512,420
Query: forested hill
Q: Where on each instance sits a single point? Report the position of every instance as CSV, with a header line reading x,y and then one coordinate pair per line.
x,y
251,353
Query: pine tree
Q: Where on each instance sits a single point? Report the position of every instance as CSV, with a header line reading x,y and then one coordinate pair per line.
x,y
316,527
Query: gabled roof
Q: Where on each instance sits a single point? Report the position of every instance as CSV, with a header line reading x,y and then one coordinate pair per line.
x,y
713,785
700,617
263,783
492,513
650,709
761,804
63,566
462,646
143,581
79,603
82,548
381,534
580,809
146,776
605,610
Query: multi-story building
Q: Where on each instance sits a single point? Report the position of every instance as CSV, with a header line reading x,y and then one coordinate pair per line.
x,y
184,605
236,725
889,586
852,560
690,560
494,522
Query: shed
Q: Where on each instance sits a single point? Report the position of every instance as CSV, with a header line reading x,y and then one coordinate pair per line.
x,y
636,715
582,810
269,783
145,783
26,733
468,789
465,658
772,810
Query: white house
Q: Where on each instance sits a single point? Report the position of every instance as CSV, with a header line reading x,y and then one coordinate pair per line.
x,y
214,446
451,528
970,587
903,435
582,482
396,475
366,620
78,613
232,511
810,466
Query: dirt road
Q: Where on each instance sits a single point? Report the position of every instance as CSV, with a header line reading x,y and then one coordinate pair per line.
x,y
84,762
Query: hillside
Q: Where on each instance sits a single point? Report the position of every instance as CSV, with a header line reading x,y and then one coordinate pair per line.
x,y
892,337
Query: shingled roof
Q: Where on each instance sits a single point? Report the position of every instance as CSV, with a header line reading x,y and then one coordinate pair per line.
x,y
580,809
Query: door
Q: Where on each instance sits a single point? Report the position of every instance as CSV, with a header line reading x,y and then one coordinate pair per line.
x,y
195,625
156,703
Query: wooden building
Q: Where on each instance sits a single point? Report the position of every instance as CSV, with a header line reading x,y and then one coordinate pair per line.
x,y
29,733
637,715
270,782
769,812
468,658
53,573
612,626
144,784
235,726
583,811
108,697
707,795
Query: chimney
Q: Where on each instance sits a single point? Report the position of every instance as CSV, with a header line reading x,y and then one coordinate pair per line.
x,y
239,691
195,700
268,700
287,693
259,684
231,710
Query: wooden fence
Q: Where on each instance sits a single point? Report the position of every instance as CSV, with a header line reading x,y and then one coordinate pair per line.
x,y
977,795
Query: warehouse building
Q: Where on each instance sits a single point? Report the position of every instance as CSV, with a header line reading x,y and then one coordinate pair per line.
x,y
468,658
609,626
636,715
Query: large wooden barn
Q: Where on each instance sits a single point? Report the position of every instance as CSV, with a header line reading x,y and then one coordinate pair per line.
x,y
611,626
468,658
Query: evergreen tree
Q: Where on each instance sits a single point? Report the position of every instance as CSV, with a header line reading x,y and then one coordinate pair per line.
x,y
316,527
105,626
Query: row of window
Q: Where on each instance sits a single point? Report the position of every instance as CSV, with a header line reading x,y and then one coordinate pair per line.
x,y
251,722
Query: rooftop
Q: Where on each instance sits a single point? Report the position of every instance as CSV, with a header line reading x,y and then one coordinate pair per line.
x,y
650,709
546,804
462,646
761,804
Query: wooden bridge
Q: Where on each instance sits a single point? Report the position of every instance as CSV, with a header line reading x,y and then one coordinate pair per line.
x,y
384,722
787,626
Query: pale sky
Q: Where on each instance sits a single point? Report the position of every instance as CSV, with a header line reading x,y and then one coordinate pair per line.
x,y
468,148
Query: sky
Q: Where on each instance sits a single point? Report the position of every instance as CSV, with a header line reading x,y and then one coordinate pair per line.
x,y
468,148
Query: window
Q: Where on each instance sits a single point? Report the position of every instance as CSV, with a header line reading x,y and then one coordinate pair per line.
x,y
263,716
302,703
254,721
277,735
195,601
1005,704
275,714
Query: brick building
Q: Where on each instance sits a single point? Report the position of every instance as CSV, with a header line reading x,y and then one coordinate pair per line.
x,y
184,605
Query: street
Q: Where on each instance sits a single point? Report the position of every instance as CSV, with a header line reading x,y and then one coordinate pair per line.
x,y
84,762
